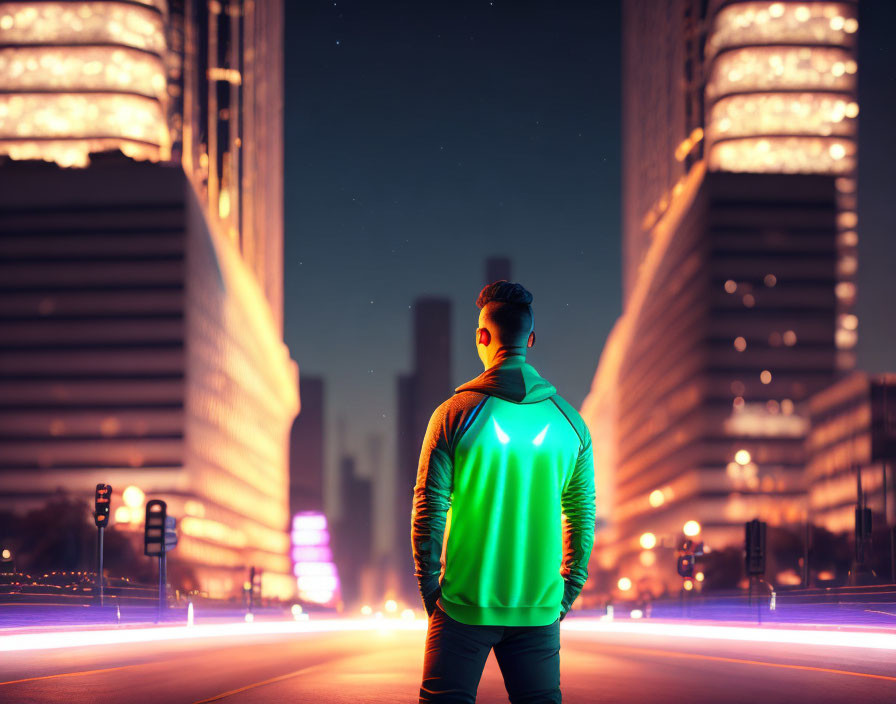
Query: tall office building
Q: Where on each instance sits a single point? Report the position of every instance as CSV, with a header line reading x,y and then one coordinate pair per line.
x,y
141,285
419,394
354,534
496,269
738,252
306,449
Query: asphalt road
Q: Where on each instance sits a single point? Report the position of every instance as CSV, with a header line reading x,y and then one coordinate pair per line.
x,y
384,666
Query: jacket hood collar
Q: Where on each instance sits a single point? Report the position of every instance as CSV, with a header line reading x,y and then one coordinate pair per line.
x,y
512,379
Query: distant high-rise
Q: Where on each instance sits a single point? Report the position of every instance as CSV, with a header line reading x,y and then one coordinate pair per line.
x,y
141,287
738,190
354,535
306,449
419,394
497,269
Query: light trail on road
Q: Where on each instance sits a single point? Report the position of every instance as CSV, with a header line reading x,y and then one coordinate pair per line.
x,y
879,640
334,661
126,635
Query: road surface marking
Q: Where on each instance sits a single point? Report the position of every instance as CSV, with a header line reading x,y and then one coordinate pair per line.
x,y
72,674
287,676
717,658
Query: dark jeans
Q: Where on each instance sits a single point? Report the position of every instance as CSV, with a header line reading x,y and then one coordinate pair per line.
x,y
529,658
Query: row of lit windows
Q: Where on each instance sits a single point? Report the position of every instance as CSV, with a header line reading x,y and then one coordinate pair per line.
x,y
837,485
784,155
83,23
219,450
76,69
769,495
91,119
844,424
830,23
772,419
834,458
782,113
782,69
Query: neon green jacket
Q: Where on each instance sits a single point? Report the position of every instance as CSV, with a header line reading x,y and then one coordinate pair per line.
x,y
501,461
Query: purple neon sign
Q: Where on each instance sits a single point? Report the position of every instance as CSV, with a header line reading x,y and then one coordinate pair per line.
x,y
316,576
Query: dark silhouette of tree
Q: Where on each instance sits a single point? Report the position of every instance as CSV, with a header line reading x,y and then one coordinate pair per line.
x,y
722,569
61,536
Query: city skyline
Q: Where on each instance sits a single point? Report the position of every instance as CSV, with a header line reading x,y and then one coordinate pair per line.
x,y
399,143
248,451
231,160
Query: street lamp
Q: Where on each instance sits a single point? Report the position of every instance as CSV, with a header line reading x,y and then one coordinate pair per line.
x,y
691,529
133,497
7,556
648,541
624,584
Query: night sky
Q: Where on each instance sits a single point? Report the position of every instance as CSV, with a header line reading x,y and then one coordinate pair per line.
x,y
423,137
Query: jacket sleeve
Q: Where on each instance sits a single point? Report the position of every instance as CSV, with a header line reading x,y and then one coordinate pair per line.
x,y
432,497
577,501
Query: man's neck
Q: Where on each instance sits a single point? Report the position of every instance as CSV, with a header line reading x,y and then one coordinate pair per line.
x,y
505,353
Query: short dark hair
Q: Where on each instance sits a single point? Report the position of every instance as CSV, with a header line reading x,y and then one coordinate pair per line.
x,y
513,313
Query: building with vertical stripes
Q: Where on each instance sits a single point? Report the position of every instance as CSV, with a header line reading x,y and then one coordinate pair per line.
x,y
739,128
141,235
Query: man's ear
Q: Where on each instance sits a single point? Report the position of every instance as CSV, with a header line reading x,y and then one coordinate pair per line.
x,y
485,337
531,341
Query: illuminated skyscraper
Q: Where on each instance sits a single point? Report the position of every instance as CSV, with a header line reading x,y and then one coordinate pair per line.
x,y
739,251
141,339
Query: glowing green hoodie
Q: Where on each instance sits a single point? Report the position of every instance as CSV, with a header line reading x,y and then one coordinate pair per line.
x,y
507,456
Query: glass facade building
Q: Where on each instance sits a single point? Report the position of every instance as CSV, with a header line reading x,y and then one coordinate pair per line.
x,y
141,294
739,125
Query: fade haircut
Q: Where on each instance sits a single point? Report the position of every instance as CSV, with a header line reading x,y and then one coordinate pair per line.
x,y
510,312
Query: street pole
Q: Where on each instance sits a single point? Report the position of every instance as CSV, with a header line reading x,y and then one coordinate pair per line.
x,y
101,513
163,591
251,588
806,538
99,561
859,544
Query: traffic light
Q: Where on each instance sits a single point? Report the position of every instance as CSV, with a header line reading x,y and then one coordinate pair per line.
x,y
686,565
154,528
102,503
170,533
754,542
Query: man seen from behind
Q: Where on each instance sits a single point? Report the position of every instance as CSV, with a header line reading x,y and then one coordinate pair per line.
x,y
503,516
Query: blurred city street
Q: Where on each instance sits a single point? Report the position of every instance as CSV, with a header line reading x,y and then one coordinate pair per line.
x,y
271,275
385,665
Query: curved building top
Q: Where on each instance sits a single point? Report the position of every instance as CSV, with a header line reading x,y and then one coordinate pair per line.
x,y
81,77
781,87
